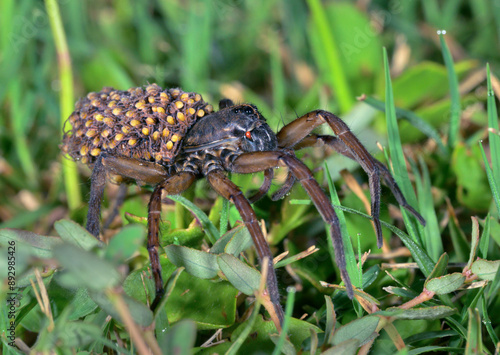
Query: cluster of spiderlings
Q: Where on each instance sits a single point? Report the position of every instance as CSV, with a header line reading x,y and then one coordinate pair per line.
x,y
143,123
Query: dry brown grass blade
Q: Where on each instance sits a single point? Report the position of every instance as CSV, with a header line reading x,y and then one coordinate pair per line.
x,y
43,298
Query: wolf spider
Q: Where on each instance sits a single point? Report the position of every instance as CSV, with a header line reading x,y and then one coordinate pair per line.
x,y
170,138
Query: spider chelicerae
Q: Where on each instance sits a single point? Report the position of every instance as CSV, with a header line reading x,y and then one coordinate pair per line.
x,y
169,138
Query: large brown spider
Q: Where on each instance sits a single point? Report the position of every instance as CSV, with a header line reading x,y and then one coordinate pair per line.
x,y
170,138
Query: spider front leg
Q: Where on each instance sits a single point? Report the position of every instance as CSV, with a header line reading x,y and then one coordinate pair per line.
x,y
173,185
314,140
253,162
297,130
227,189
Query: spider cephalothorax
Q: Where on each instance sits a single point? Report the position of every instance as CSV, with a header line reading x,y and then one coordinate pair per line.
x,y
169,138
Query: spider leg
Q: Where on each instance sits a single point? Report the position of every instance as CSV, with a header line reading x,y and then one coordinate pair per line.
x,y
253,162
173,185
285,188
227,189
297,130
339,146
120,199
97,183
268,179
129,168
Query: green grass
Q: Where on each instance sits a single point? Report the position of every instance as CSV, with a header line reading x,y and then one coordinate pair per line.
x,y
288,58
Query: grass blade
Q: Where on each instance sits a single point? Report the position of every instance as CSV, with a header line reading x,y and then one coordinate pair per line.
x,y
286,323
485,238
494,139
208,226
335,74
396,151
21,105
71,183
454,94
233,350
493,186
196,47
277,77
423,260
431,236
415,120
350,257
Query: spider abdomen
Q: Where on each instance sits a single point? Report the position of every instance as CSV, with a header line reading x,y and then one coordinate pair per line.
x,y
146,124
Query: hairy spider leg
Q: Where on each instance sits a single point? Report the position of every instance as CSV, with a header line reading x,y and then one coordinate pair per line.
x,y
119,200
253,162
227,189
298,129
173,185
285,188
144,173
97,184
314,140
266,185
128,168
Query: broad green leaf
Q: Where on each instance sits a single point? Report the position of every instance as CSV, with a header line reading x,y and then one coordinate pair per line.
x,y
77,302
179,339
260,341
245,278
38,245
197,263
240,242
78,334
440,267
474,333
82,268
212,305
347,347
233,242
485,269
445,284
123,245
362,329
139,283
141,314
430,313
208,226
75,234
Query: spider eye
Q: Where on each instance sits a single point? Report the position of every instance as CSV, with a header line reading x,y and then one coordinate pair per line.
x,y
248,134
248,110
